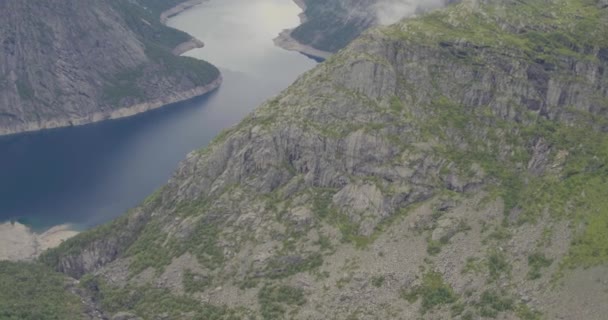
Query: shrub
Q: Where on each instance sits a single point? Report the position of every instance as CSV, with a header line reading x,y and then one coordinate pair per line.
x,y
492,302
498,265
274,299
433,291
378,281
536,262
32,291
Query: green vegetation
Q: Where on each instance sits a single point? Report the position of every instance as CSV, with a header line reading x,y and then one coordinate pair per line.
x,y
148,302
500,233
325,28
575,192
274,299
149,250
567,34
433,247
142,16
194,282
147,244
114,230
473,265
321,204
526,313
31,291
396,104
566,31
199,72
378,281
202,242
123,84
282,267
498,265
433,291
536,262
457,309
126,84
323,210
493,302
154,248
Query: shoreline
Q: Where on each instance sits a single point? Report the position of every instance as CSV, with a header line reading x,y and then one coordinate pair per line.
x,y
191,44
286,41
135,109
19,243
187,46
117,113
167,14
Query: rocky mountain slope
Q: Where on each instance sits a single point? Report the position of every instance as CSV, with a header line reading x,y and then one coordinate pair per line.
x,y
448,166
68,62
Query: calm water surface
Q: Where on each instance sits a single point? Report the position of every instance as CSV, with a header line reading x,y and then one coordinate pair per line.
x,y
88,175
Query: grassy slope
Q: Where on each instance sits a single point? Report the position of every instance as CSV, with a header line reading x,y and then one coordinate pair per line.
x,y
32,291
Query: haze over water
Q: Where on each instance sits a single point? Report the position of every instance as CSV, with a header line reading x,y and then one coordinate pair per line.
x,y
88,175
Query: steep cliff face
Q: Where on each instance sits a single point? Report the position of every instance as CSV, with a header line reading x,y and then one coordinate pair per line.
x,y
448,166
72,62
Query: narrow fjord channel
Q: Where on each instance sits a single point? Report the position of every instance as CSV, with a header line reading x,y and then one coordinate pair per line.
x,y
88,175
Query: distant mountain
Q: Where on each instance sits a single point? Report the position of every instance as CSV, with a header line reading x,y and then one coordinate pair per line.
x,y
328,26
69,62
451,165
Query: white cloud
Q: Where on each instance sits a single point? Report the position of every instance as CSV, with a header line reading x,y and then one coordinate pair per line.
x,y
391,11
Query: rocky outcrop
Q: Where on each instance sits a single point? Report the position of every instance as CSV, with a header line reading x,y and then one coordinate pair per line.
x,y
450,165
97,247
70,63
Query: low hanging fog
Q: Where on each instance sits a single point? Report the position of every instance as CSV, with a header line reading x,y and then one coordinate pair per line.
x,y
391,11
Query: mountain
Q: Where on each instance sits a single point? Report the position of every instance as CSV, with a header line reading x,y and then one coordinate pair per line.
x,y
69,62
328,26
447,166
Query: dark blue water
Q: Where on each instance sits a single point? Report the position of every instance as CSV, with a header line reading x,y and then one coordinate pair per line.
x,y
90,174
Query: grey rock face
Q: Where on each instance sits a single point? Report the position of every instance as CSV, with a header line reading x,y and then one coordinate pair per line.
x,y
71,62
